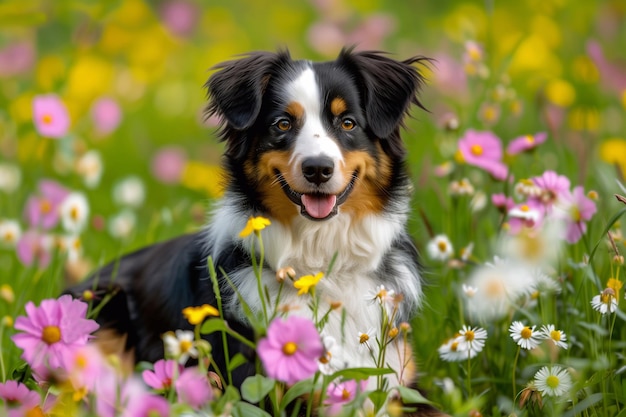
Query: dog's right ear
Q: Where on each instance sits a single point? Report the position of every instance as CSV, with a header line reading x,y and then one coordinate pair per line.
x,y
236,90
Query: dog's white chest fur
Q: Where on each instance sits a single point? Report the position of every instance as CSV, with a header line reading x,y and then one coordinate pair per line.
x,y
308,247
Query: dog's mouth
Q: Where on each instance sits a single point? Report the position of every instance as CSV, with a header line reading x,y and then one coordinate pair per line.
x,y
317,206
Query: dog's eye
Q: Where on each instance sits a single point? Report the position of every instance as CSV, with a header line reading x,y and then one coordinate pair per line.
x,y
347,124
283,125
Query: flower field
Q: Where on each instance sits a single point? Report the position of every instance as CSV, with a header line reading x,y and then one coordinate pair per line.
x,y
518,211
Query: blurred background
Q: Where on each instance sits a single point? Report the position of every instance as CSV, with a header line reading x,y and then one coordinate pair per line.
x,y
131,75
138,146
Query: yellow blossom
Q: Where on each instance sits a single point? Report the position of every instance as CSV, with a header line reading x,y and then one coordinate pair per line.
x,y
613,151
305,283
614,284
6,293
196,315
255,224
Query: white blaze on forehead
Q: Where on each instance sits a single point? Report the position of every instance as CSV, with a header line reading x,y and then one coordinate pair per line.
x,y
313,139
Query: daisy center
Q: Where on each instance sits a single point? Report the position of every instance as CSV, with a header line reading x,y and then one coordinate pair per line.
x,y
552,381
454,346
185,345
476,150
51,334
555,335
364,338
290,348
526,333
442,246
524,207
469,335
74,213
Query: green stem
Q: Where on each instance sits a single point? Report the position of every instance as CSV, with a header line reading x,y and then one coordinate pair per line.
x,y
513,381
258,271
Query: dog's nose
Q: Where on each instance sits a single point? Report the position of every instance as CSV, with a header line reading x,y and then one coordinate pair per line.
x,y
318,169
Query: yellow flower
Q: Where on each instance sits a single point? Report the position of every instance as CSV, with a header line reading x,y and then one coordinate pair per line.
x,y
305,283
196,315
255,224
613,151
615,284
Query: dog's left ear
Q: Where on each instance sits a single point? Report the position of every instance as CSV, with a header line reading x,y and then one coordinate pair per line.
x,y
388,87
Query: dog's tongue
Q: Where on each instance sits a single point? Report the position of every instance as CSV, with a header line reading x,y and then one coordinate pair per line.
x,y
317,205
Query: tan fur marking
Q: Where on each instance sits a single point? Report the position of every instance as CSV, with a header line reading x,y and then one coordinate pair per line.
x,y
338,106
274,198
369,194
296,110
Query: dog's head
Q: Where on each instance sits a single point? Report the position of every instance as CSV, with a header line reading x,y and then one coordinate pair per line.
x,y
314,139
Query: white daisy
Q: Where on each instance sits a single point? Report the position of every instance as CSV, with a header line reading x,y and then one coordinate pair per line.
x,y
553,381
71,245
558,337
498,287
74,212
439,248
331,360
472,340
89,166
450,350
381,295
605,302
10,177
122,224
180,345
524,336
461,187
129,192
365,340
468,290
10,233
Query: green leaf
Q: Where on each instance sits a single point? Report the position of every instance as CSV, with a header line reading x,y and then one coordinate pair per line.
x,y
213,325
360,373
236,361
242,409
584,404
297,390
378,397
256,387
412,396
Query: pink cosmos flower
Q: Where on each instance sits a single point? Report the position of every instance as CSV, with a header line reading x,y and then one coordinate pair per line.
x,y
290,350
114,393
168,164
51,330
19,398
42,208
553,188
484,150
106,115
34,246
578,210
180,17
526,143
165,371
502,202
17,58
147,405
84,367
50,116
339,394
193,388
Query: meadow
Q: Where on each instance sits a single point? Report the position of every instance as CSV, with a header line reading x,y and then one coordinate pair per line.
x,y
518,167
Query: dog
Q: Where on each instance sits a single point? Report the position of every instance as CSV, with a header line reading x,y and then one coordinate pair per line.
x,y
315,147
